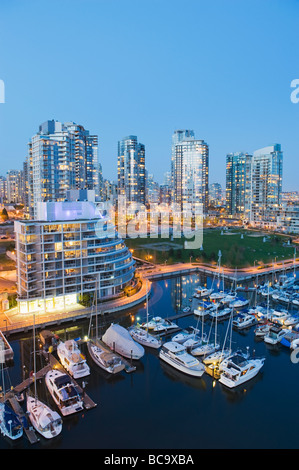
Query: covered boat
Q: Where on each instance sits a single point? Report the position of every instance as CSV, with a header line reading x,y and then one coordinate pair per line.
x,y
120,340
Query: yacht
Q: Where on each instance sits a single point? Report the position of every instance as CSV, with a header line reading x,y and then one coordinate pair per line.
x,y
291,320
239,370
228,298
119,340
159,325
72,359
46,421
202,292
143,337
64,392
238,303
185,334
244,321
10,425
217,295
105,359
220,314
176,355
275,335
203,308
262,330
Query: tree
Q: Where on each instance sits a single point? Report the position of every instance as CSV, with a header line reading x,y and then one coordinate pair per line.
x,y
4,215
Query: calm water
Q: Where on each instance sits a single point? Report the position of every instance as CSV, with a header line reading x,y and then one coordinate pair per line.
x,y
160,408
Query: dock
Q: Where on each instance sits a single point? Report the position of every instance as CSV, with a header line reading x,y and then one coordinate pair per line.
x,y
29,431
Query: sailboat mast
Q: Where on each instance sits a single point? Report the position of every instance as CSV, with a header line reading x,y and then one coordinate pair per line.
x,y
34,357
146,307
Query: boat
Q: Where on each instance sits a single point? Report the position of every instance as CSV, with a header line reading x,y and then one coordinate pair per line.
x,y
239,370
104,358
238,303
291,320
244,320
186,309
275,334
159,325
10,424
119,340
185,334
202,292
278,316
176,355
220,314
203,308
46,421
217,295
262,330
101,355
195,341
228,298
142,336
217,356
64,392
72,359
205,349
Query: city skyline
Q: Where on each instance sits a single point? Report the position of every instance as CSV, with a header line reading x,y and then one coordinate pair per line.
x,y
246,84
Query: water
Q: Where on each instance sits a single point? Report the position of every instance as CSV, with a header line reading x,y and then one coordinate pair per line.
x,y
157,407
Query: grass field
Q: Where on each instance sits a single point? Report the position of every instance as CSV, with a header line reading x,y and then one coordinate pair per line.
x,y
236,252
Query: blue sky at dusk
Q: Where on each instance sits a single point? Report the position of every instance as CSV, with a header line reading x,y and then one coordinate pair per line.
x,y
147,67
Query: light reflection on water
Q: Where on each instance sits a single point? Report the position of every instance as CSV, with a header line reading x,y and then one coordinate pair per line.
x,y
159,407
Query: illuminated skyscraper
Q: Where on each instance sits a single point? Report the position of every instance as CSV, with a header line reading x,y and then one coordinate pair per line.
x,y
266,184
191,175
178,136
61,156
131,169
238,183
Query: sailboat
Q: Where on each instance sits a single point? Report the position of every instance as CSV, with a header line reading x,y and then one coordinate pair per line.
x,y
103,357
206,347
10,425
46,421
142,335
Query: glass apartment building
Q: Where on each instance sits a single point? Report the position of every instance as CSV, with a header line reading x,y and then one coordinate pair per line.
x,y
71,249
178,136
191,179
61,156
266,184
131,170
238,183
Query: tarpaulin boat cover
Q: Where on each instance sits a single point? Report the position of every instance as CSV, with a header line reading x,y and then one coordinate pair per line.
x,y
120,340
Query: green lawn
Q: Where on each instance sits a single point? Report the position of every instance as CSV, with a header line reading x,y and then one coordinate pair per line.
x,y
236,252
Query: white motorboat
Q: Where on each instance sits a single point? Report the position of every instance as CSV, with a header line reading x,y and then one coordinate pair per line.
x,y
64,392
186,309
275,335
159,325
220,314
46,421
119,340
185,334
291,320
229,298
239,370
10,425
244,321
279,316
144,337
72,359
203,308
262,330
104,358
195,341
176,355
238,303
217,295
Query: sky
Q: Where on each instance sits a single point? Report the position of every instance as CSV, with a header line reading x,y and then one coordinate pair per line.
x,y
147,67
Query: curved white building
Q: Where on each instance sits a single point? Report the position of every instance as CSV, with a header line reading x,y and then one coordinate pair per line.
x,y
71,249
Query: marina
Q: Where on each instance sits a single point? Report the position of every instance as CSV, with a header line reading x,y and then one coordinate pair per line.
x,y
99,390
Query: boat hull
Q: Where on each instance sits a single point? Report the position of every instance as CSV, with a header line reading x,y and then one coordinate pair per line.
x,y
193,372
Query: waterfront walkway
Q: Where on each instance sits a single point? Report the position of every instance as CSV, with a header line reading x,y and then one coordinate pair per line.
x,y
12,321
